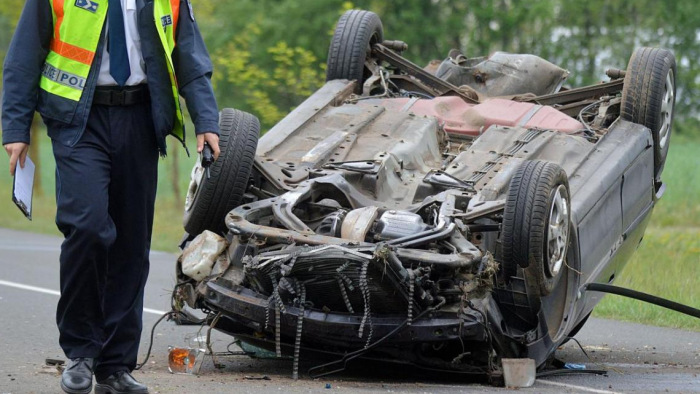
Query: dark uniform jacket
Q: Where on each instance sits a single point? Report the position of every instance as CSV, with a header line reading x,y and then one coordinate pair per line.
x,y
66,120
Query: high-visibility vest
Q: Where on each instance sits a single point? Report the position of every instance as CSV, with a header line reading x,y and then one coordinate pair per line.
x,y
77,29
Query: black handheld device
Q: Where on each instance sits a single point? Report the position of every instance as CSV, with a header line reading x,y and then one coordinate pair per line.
x,y
207,158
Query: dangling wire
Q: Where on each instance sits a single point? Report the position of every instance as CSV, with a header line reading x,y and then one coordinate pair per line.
x,y
411,289
211,327
153,330
301,289
367,317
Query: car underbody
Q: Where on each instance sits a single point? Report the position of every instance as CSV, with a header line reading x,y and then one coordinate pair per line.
x,y
400,217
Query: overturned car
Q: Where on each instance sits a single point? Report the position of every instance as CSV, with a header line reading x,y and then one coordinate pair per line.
x,y
445,219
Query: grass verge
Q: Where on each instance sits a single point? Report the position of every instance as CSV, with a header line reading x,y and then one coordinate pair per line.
x,y
667,264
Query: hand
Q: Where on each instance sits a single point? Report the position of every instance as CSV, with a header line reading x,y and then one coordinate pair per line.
x,y
18,151
210,138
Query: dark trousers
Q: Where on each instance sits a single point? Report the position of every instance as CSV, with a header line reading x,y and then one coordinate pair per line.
x,y
105,195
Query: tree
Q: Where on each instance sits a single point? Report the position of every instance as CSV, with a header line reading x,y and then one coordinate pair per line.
x,y
9,16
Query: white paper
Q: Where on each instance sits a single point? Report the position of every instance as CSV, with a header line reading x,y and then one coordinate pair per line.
x,y
23,185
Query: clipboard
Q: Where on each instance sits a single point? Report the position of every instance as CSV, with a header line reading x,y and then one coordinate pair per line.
x,y
23,187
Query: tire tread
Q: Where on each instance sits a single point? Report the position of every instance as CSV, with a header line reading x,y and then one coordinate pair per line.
x,y
525,219
229,173
643,91
347,52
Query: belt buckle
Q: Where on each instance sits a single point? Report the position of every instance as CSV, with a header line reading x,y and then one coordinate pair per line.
x,y
118,97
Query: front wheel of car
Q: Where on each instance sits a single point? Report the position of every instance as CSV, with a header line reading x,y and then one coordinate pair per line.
x,y
535,233
209,199
356,32
648,97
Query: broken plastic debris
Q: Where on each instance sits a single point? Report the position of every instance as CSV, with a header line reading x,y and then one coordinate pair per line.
x,y
256,352
264,377
55,361
518,372
184,360
51,369
578,367
201,254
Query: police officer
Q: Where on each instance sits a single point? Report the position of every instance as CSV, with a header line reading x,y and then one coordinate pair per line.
x,y
106,76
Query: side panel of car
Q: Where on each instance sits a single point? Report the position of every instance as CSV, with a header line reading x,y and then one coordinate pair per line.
x,y
611,193
637,204
637,190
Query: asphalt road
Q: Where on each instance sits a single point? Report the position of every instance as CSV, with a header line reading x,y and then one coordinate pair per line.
x,y
638,358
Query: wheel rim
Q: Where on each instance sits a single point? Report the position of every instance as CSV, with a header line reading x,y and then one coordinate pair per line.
x,y
196,177
667,110
557,232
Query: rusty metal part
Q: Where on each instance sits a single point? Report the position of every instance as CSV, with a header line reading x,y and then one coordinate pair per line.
x,y
440,86
503,74
358,222
584,93
331,94
395,45
481,209
615,73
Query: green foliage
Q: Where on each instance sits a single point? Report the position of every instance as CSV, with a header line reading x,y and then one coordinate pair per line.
x,y
268,93
252,41
9,15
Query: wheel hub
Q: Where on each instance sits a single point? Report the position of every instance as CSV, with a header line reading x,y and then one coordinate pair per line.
x,y
667,110
557,232
195,181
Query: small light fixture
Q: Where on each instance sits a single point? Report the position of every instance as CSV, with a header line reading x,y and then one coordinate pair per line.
x,y
185,360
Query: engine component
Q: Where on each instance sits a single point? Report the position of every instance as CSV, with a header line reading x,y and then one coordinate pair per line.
x,y
331,224
358,222
397,224
200,255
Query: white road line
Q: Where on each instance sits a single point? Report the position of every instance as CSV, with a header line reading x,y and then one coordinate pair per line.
x,y
153,311
56,293
575,387
53,248
30,288
33,248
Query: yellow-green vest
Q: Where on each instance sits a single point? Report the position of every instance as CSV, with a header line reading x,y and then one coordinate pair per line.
x,y
75,40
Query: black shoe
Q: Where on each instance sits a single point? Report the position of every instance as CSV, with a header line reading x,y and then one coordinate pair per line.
x,y
120,382
77,377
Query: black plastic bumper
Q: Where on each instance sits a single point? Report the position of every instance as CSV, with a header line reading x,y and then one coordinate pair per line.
x,y
339,330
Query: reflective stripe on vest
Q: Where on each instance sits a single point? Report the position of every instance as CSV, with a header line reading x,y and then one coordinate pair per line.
x,y
166,14
75,42
73,46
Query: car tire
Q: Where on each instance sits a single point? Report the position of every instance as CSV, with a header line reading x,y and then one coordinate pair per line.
x,y
536,225
648,97
210,199
354,35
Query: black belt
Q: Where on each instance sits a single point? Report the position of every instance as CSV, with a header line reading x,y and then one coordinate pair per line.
x,y
121,96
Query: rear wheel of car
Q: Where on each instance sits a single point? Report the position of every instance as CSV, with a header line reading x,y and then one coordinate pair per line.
x,y
352,43
210,199
536,225
648,97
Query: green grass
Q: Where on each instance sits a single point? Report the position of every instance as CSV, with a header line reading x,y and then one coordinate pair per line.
x,y
680,206
667,264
